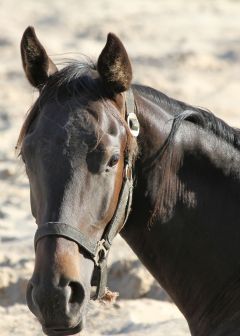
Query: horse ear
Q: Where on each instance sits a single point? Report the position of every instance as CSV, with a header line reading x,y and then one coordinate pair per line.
x,y
36,63
114,66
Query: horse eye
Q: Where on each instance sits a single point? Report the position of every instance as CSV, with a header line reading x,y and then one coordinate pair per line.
x,y
114,160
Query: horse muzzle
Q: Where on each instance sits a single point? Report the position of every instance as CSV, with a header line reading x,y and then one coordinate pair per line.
x,y
60,309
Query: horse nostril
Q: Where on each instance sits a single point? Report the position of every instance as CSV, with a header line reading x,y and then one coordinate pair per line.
x,y
31,302
77,293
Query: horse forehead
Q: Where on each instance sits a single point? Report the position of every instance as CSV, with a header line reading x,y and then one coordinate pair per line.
x,y
96,120
75,120
82,111
104,114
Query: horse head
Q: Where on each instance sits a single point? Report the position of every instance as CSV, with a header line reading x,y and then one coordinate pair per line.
x,y
78,149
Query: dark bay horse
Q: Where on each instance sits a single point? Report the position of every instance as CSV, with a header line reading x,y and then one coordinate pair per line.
x,y
87,166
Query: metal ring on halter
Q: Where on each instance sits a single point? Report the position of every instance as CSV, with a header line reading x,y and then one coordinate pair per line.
x,y
101,252
133,124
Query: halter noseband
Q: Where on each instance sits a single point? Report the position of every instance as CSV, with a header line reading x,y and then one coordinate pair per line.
x,y
98,251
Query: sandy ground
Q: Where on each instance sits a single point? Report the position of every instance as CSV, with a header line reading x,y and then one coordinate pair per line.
x,y
188,49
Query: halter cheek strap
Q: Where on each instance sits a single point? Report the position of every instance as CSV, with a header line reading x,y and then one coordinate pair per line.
x,y
98,250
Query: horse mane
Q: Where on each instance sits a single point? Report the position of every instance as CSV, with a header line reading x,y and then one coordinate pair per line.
x,y
198,116
71,81
168,156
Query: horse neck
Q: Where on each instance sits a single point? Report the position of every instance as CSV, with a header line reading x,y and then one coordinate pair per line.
x,y
185,251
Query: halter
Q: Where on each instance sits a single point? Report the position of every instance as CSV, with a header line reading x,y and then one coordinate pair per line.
x,y
98,251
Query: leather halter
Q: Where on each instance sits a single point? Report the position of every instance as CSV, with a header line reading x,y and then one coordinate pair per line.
x,y
98,250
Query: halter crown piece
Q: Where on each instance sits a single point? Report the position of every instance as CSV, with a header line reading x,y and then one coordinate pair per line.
x,y
98,251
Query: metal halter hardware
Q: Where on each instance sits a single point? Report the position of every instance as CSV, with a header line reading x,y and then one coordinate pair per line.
x,y
133,124
98,250
101,252
132,119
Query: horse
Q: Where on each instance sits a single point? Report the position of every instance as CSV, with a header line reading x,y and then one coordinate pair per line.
x,y
106,156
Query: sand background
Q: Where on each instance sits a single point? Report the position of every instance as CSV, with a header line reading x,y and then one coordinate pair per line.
x,y
188,49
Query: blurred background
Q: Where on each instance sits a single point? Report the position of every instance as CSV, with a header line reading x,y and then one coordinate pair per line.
x,y
188,49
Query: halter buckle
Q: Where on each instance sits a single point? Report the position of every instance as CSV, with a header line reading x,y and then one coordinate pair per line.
x,y
133,124
101,252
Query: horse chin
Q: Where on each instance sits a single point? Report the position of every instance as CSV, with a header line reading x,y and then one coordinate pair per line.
x,y
63,332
